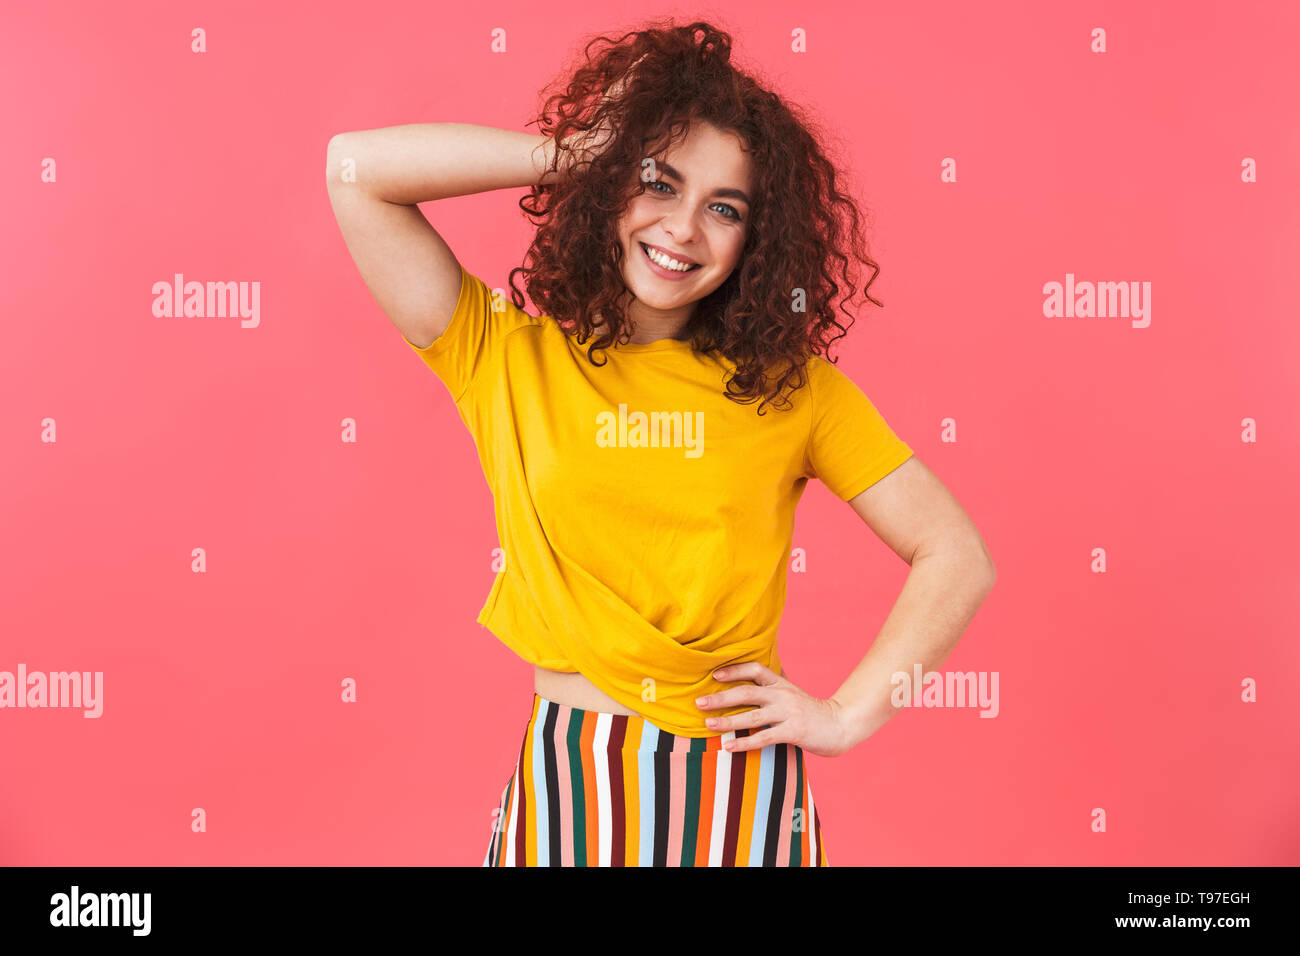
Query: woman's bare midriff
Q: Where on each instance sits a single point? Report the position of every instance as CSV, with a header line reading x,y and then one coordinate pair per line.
x,y
575,691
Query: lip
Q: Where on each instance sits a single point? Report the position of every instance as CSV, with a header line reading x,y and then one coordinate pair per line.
x,y
668,252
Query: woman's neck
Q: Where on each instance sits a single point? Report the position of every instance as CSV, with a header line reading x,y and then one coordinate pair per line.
x,y
649,326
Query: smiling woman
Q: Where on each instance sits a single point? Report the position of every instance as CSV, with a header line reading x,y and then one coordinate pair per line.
x,y
727,227
647,434
678,240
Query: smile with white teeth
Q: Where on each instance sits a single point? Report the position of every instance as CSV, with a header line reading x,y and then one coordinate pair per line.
x,y
667,262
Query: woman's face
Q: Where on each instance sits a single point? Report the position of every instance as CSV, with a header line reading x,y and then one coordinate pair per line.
x,y
696,210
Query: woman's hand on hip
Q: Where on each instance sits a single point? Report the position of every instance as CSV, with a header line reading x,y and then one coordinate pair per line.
x,y
786,713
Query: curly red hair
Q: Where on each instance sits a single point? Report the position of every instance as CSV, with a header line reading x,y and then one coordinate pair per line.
x,y
805,234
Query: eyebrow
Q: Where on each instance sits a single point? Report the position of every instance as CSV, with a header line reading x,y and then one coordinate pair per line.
x,y
729,193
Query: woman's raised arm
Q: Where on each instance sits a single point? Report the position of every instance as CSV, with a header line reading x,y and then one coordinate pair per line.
x,y
376,177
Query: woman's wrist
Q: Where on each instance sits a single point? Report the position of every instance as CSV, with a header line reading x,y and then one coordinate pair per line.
x,y
861,717
544,160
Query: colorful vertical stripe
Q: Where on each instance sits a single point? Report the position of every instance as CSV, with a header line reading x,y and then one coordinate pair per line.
x,y
596,789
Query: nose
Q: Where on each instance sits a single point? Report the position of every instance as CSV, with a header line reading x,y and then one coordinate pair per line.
x,y
680,225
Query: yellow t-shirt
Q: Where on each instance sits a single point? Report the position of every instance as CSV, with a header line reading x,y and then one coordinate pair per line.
x,y
645,518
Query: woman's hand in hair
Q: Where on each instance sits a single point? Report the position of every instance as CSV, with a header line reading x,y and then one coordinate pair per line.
x,y
583,146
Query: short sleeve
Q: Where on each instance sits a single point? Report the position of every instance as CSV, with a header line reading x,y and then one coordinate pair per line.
x,y
472,340
850,445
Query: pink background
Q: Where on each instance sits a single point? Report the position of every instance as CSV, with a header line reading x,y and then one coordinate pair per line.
x,y
329,560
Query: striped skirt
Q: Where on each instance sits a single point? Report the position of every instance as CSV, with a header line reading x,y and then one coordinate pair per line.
x,y
597,789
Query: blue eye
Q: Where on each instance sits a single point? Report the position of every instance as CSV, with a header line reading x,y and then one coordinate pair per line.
x,y
731,210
